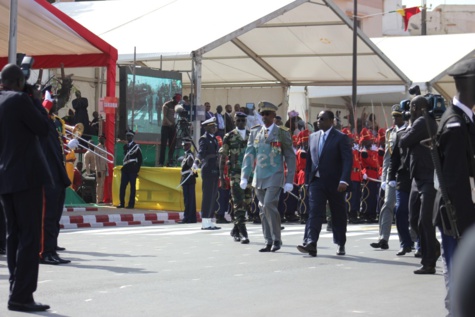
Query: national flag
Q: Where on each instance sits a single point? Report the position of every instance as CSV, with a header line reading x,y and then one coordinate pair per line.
x,y
407,13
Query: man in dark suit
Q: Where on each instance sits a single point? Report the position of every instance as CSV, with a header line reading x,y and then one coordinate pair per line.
x,y
456,140
130,170
228,118
327,174
23,173
55,193
422,196
207,159
208,115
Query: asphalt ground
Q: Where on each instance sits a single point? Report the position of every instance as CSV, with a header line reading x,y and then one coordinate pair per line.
x,y
180,270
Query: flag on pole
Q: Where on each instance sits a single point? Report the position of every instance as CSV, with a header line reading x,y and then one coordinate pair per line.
x,y
407,13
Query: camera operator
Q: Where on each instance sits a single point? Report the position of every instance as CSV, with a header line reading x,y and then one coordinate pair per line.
x,y
168,130
422,196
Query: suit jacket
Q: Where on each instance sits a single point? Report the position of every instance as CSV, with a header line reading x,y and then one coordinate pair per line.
x,y
399,165
421,166
267,157
22,161
454,153
336,160
228,122
208,155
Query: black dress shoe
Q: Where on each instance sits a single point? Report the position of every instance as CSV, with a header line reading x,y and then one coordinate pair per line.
x,y
58,248
256,221
403,251
341,250
425,269
222,220
276,246
237,238
267,248
48,259
129,207
245,240
381,244
3,251
215,228
32,306
120,206
418,254
309,248
60,260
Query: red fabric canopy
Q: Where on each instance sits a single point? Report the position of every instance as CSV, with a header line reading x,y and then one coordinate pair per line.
x,y
53,38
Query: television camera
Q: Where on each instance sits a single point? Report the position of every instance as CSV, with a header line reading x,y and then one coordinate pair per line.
x,y
436,103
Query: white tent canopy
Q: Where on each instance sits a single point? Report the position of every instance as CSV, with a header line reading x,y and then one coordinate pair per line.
x,y
239,43
426,59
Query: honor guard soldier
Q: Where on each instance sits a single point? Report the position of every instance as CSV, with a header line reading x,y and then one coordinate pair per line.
x,y
353,198
232,154
207,159
188,182
130,170
269,147
370,163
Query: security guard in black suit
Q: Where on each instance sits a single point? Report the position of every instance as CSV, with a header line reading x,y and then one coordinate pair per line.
x,y
456,145
23,173
130,169
55,193
207,158
422,196
188,182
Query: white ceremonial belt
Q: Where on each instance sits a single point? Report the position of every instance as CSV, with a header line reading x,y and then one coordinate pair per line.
x,y
186,172
130,161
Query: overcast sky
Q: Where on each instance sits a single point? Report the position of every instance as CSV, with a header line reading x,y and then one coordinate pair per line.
x,y
435,3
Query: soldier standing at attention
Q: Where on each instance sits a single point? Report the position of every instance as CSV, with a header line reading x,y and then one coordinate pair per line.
x,y
208,160
188,182
232,154
268,147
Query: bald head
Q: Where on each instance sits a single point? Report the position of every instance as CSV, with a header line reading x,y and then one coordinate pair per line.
x,y
12,77
418,105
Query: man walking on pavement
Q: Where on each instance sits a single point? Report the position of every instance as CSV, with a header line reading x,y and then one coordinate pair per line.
x,y
269,147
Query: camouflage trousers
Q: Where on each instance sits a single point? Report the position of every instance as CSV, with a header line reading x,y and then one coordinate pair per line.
x,y
241,200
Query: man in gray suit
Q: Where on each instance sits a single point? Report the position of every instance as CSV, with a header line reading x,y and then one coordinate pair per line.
x,y
268,148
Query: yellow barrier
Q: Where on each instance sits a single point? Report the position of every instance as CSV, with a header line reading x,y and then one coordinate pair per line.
x,y
156,189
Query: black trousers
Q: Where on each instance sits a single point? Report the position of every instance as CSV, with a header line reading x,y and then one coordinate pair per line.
x,y
168,136
189,197
3,228
126,179
421,206
209,186
54,203
23,216
319,193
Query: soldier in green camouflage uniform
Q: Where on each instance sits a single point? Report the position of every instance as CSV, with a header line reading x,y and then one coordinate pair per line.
x,y
232,154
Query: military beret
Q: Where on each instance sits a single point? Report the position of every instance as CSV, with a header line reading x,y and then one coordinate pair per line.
x,y
397,110
240,115
266,106
211,121
462,69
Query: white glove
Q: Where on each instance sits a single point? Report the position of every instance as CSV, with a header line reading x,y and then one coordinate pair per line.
x,y
194,167
288,187
356,147
365,177
243,183
374,147
383,186
392,184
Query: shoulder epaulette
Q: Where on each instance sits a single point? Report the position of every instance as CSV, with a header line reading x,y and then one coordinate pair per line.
x,y
453,125
283,128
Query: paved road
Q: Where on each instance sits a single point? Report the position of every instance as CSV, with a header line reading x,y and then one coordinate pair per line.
x,y
179,270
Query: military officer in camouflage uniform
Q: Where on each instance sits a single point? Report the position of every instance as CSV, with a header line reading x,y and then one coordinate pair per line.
x,y
269,147
232,154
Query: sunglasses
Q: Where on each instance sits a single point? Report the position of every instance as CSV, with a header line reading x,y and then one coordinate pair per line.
x,y
266,113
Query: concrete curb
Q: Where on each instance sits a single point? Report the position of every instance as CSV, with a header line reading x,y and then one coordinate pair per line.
x,y
117,220
80,209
